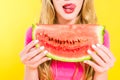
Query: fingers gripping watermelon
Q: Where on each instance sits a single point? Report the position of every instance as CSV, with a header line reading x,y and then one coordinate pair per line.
x,y
68,43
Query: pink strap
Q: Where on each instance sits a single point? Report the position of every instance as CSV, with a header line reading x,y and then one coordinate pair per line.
x,y
66,70
28,37
106,39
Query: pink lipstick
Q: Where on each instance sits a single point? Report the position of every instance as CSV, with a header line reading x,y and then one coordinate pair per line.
x,y
69,8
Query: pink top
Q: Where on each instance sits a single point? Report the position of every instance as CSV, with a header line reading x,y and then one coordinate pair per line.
x,y
65,70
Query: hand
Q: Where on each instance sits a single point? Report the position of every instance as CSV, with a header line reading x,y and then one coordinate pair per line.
x,y
32,57
102,59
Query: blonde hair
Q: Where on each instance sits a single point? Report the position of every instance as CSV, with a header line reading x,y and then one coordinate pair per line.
x,y
87,15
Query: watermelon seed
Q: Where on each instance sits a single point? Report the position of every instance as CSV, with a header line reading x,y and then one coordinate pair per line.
x,y
67,41
60,42
45,35
55,40
70,42
50,39
63,42
75,41
78,40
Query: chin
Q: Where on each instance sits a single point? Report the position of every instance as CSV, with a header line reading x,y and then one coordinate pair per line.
x,y
69,17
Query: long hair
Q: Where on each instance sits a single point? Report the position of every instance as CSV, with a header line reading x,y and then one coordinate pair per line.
x,y
86,15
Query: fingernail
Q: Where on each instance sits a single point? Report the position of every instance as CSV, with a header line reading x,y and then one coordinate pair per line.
x,y
89,51
98,45
36,41
93,46
85,61
49,58
42,47
45,52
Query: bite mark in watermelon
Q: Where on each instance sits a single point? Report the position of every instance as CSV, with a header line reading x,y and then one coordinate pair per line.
x,y
68,43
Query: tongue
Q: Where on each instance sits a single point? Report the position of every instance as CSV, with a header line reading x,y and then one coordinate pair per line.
x,y
70,6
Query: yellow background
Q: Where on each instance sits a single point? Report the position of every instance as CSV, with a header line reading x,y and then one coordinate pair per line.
x,y
17,15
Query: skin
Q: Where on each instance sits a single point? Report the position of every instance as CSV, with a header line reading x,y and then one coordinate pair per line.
x,y
102,61
32,57
64,18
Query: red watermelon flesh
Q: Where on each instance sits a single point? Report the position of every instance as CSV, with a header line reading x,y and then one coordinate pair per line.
x,y
68,42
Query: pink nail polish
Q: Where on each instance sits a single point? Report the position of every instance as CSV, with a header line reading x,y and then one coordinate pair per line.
x,y
89,51
49,58
45,52
42,47
85,61
93,46
98,45
36,41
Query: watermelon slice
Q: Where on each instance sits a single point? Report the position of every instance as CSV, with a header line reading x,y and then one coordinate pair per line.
x,y
68,43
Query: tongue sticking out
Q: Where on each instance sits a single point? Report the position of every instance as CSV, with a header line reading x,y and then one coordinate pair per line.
x,y
69,8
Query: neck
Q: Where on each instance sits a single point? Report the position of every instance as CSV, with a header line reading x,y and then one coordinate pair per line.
x,y
63,21
66,21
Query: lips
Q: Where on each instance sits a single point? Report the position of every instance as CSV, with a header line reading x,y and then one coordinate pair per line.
x,y
69,8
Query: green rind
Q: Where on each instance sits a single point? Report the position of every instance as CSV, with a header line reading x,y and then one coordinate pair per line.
x,y
100,32
33,33
69,59
33,27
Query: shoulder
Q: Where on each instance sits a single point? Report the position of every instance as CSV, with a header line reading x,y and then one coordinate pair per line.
x,y
28,36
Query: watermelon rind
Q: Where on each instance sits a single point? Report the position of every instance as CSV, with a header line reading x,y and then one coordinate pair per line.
x,y
33,27
33,33
100,33
88,57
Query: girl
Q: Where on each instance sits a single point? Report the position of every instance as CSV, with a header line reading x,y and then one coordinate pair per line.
x,y
40,67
